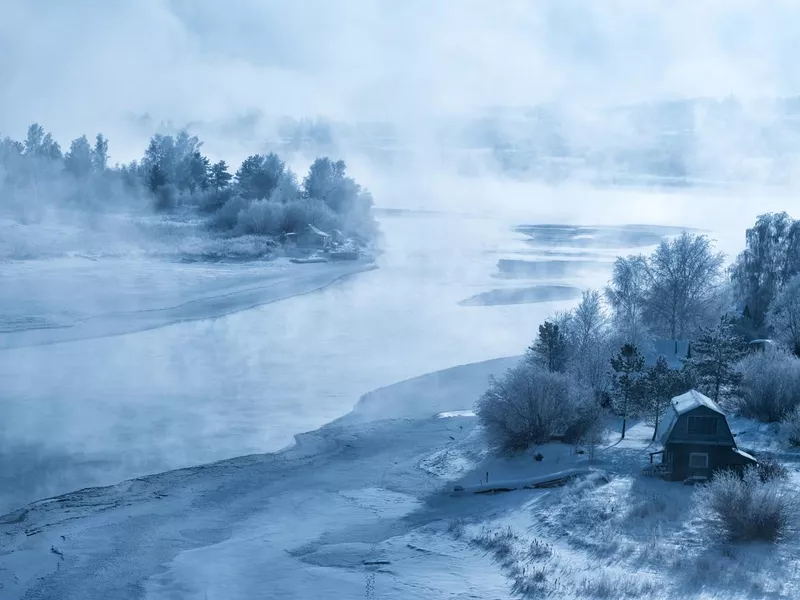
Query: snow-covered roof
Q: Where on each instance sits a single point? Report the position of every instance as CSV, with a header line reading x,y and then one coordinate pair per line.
x,y
317,231
745,454
691,400
681,405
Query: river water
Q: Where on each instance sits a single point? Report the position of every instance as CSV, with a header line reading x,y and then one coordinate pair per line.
x,y
95,411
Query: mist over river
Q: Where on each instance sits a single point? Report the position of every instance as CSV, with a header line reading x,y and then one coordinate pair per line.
x,y
94,411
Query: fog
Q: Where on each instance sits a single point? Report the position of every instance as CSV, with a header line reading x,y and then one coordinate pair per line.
x,y
496,113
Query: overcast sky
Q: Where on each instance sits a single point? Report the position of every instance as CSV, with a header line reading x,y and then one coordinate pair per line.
x,y
88,65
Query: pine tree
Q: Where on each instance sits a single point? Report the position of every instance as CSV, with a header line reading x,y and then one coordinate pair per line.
x,y
661,384
220,178
550,348
714,355
627,365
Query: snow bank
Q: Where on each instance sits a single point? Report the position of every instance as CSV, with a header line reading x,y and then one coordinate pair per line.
x,y
508,485
422,397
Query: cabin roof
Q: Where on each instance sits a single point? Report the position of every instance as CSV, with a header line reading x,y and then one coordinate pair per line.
x,y
694,399
680,405
317,231
745,454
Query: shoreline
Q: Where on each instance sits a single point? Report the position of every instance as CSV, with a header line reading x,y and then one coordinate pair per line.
x,y
304,279
378,443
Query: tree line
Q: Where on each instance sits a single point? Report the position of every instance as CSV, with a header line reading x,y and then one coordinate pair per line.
x,y
263,196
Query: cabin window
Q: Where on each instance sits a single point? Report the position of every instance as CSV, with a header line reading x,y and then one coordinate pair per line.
x,y
698,460
702,426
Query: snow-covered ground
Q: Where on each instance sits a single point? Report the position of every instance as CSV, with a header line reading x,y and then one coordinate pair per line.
x,y
364,508
98,410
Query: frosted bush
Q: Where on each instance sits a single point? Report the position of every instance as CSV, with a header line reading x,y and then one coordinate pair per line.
x,y
262,217
792,424
747,508
227,216
770,385
529,405
298,215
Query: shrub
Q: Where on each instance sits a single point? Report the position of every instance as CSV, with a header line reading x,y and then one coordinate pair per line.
x,y
529,406
500,542
617,586
539,550
769,469
770,385
165,198
456,528
792,424
747,508
262,217
227,216
297,215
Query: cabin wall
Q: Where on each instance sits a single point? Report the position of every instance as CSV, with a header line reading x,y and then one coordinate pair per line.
x,y
678,456
680,432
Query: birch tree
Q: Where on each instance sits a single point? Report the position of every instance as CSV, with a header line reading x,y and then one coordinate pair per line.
x,y
784,316
625,294
684,275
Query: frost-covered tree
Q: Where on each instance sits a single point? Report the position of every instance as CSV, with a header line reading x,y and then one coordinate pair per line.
x,y
160,157
327,181
41,144
100,153
550,348
194,172
714,356
626,294
259,175
34,140
770,259
628,365
784,316
157,178
770,387
684,275
589,318
78,161
589,339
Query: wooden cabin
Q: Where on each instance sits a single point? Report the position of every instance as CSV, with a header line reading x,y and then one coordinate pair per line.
x,y
696,440
314,238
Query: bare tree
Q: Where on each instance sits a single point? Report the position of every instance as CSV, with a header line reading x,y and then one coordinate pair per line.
x,y
684,275
625,294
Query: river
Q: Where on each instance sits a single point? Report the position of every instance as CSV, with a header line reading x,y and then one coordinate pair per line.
x,y
95,411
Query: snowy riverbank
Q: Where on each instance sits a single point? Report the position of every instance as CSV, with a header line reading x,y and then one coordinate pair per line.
x,y
364,506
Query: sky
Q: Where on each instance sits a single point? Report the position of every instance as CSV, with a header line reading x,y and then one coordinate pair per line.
x,y
85,65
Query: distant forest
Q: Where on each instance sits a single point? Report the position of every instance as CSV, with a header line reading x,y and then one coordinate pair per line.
x,y
261,197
